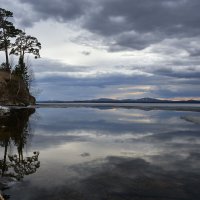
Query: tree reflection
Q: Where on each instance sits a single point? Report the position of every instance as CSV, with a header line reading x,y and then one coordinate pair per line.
x,y
15,130
25,166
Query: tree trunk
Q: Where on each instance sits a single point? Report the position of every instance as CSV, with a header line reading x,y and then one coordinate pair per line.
x,y
4,159
6,51
7,59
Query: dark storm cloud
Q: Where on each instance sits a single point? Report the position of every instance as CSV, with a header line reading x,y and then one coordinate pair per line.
x,y
169,17
138,24
194,52
61,10
185,73
172,92
129,23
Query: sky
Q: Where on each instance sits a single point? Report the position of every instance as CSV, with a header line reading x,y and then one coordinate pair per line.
x,y
113,48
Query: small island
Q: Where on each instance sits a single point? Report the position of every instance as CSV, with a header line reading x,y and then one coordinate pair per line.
x,y
16,80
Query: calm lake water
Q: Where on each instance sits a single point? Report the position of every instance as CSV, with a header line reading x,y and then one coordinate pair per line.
x,y
100,153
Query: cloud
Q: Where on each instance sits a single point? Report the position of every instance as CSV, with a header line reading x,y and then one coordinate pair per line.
x,y
130,23
123,25
86,53
72,82
112,43
178,72
145,22
61,10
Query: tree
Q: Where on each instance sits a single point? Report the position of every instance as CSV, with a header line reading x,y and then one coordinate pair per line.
x,y
17,133
7,31
21,70
26,44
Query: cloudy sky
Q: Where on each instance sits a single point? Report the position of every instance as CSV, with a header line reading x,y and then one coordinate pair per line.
x,y
113,48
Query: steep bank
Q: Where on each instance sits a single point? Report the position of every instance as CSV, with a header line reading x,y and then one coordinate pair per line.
x,y
13,91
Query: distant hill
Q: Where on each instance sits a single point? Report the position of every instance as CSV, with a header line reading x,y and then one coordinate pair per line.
x,y
107,100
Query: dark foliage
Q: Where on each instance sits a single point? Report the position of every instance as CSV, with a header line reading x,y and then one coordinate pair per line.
x,y
7,31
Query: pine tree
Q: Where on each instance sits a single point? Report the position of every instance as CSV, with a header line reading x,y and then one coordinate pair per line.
x,y
7,31
21,70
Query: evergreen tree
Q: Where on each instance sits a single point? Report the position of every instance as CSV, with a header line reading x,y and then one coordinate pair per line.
x,y
7,31
25,44
21,70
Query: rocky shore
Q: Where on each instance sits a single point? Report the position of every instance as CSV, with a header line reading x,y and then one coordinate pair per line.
x,y
13,91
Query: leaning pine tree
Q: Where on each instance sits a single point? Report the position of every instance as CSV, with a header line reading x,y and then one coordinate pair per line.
x,y
25,44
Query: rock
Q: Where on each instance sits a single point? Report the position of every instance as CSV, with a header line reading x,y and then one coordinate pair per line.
x,y
13,91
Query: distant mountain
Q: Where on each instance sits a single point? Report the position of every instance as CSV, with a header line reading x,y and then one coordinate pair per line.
x,y
142,100
102,100
107,100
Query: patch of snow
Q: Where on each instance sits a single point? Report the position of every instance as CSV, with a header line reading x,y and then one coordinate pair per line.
x,y
4,110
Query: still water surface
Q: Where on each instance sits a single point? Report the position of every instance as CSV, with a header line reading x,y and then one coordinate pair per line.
x,y
100,153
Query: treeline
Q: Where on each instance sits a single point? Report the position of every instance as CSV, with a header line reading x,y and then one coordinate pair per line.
x,y
14,41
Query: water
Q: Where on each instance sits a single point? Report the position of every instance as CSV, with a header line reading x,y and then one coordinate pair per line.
x,y
101,152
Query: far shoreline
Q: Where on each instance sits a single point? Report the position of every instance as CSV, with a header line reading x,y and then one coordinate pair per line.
x,y
193,107
172,106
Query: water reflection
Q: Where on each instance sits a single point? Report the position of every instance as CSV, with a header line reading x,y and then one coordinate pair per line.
x,y
121,154
15,131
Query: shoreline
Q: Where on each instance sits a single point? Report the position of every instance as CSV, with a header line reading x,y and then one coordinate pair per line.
x,y
193,107
140,106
